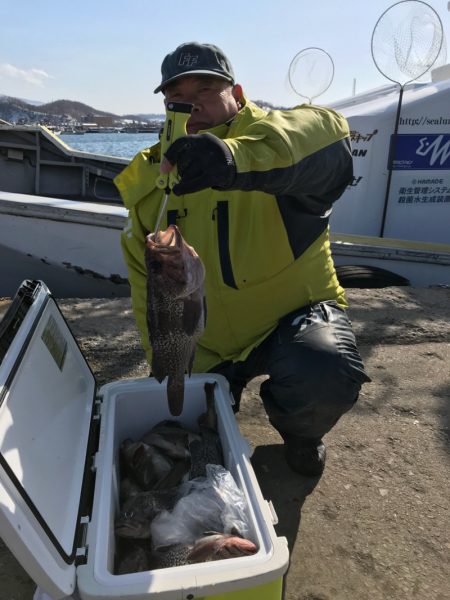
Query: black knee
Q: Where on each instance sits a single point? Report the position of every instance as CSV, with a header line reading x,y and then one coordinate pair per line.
x,y
309,402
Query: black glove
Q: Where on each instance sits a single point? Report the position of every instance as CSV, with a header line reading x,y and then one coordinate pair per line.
x,y
203,161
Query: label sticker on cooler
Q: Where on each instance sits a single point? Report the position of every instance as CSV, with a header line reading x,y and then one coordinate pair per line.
x,y
55,342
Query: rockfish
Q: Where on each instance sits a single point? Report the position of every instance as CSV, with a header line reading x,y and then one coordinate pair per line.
x,y
132,556
139,510
176,309
150,468
213,546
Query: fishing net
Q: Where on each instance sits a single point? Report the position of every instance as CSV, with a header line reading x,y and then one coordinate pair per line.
x,y
439,62
311,72
407,41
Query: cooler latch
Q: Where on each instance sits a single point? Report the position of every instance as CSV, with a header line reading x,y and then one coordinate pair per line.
x,y
273,514
97,412
96,418
82,549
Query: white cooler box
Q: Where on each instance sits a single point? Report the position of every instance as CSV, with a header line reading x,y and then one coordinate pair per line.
x,y
59,442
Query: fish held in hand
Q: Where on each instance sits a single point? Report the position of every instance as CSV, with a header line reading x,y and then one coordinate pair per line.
x,y
176,311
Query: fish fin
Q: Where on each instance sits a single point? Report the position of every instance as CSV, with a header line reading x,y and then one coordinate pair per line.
x,y
192,313
204,312
158,323
175,394
152,321
139,453
191,362
205,548
210,417
175,475
157,371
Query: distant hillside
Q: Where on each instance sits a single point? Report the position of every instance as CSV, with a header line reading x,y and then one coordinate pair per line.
x,y
15,109
77,110
32,102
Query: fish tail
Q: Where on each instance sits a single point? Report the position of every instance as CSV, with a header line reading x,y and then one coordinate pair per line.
x,y
175,395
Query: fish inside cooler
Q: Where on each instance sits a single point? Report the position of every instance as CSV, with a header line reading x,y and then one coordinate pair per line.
x,y
178,504
130,410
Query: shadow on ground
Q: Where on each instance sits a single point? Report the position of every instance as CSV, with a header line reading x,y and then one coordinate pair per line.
x,y
284,488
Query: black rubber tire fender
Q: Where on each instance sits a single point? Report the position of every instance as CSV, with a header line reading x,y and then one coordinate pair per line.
x,y
365,276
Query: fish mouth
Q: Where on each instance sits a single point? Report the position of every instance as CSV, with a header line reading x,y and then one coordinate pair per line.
x,y
130,526
165,241
169,241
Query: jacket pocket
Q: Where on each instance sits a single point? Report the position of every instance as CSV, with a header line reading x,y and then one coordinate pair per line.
x,y
223,236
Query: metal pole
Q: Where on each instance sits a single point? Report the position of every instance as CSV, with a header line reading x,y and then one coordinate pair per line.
x,y
391,161
37,176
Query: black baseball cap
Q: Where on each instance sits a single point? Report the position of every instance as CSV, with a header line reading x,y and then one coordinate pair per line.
x,y
195,59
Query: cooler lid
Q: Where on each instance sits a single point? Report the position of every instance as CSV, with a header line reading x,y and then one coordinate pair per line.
x,y
46,403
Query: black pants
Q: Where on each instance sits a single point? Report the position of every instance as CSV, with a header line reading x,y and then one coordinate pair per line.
x,y
315,371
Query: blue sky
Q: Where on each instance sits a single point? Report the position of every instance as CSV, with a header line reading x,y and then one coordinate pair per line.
x,y
108,53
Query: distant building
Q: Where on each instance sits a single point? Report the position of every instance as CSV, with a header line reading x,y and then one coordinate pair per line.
x,y
98,120
85,125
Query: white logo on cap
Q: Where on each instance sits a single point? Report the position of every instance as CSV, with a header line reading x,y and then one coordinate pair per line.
x,y
187,60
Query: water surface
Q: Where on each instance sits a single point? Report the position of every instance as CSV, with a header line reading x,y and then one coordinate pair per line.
x,y
123,145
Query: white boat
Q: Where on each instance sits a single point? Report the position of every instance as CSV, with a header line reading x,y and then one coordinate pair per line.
x,y
75,248
367,261
72,132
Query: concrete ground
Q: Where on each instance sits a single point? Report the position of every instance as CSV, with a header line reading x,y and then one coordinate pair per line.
x,y
375,526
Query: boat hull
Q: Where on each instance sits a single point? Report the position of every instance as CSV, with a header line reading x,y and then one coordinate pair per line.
x,y
73,246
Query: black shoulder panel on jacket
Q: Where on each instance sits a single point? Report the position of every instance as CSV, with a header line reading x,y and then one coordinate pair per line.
x,y
315,182
302,228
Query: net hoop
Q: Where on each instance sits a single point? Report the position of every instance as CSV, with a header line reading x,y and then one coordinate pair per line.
x,y
375,30
293,64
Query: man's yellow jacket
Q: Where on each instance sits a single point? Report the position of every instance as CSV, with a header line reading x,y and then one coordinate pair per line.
x,y
265,243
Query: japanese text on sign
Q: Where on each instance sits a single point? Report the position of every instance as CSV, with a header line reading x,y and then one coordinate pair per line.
x,y
357,137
